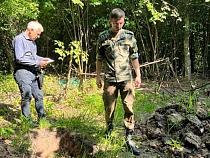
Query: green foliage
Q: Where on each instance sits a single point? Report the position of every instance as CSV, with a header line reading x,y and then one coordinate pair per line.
x,y
156,16
115,1
55,85
19,11
79,3
131,24
61,50
174,143
8,88
49,105
159,14
101,22
6,132
21,141
44,123
7,84
79,55
86,19
48,5
148,103
89,85
207,102
171,123
190,99
95,104
76,52
96,2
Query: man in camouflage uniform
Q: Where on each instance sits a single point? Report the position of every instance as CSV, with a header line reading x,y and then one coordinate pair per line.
x,y
117,50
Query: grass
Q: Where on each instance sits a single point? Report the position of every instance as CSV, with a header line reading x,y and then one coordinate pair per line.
x,y
82,113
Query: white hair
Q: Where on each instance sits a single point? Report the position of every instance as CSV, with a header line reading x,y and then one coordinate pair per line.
x,y
35,25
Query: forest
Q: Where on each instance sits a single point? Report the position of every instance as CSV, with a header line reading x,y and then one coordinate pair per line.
x,y
172,112
178,30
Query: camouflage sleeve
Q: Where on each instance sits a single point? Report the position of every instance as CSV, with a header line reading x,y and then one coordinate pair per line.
x,y
134,49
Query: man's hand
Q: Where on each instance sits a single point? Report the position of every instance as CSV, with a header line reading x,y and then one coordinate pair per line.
x,y
135,64
98,73
43,63
98,82
137,82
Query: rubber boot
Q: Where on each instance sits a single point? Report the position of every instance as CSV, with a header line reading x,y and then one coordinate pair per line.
x,y
109,129
130,143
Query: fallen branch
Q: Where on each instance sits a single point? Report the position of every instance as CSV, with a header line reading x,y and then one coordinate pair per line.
x,y
153,62
142,65
91,74
200,86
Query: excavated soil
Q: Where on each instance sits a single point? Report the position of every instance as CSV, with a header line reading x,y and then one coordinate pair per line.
x,y
177,131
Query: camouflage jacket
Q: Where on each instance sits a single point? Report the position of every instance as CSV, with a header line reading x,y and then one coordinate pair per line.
x,y
116,53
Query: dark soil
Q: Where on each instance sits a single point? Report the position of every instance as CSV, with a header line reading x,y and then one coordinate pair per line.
x,y
177,131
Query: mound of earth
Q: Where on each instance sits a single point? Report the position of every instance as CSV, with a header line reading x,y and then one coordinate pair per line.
x,y
178,131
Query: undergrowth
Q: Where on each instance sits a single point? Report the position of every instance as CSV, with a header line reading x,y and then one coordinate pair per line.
x,y
82,112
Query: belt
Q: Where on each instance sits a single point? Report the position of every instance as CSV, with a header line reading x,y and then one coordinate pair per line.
x,y
32,68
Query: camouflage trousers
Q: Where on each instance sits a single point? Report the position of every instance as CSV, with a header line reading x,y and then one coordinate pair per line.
x,y
110,95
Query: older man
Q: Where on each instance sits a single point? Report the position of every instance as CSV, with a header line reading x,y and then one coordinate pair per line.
x,y
27,63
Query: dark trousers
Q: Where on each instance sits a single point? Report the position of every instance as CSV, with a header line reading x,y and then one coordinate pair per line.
x,y
28,86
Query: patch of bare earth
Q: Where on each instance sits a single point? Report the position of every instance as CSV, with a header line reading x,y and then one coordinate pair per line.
x,y
45,142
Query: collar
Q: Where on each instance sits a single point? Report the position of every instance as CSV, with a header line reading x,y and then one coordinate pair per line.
x,y
25,36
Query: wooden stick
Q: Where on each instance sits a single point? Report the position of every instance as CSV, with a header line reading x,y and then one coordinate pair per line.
x,y
153,62
91,74
142,65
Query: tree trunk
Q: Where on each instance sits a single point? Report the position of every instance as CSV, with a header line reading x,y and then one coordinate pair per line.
x,y
8,54
207,43
187,62
68,78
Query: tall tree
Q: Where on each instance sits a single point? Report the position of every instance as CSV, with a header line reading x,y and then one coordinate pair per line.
x,y
14,17
187,61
